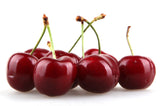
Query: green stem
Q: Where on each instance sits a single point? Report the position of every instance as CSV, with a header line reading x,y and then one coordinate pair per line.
x,y
99,45
51,40
80,36
38,41
128,40
130,46
82,31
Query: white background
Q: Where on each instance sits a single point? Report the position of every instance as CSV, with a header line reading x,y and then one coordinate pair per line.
x,y
21,25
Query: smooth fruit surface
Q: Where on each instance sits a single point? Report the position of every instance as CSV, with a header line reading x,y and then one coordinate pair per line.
x,y
114,66
95,74
95,52
74,57
54,77
60,53
39,52
136,72
20,69
92,52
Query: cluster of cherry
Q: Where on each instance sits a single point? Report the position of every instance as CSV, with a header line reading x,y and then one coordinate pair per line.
x,y
55,72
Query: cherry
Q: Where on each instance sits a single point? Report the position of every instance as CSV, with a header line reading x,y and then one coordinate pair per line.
x,y
74,57
60,53
136,72
113,62
20,71
89,24
96,51
39,52
53,76
92,51
97,72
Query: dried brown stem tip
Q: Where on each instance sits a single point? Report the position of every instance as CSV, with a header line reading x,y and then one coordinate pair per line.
x,y
101,16
49,44
128,30
45,20
80,19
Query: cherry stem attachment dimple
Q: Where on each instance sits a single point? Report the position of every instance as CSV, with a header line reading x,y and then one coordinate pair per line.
x,y
50,35
39,39
128,40
101,16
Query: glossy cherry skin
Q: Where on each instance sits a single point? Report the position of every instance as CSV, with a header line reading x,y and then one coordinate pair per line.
x,y
20,69
95,74
95,51
113,62
60,53
92,51
39,52
54,77
136,72
74,57
114,66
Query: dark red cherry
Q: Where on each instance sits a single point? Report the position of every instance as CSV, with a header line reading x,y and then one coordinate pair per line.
x,y
74,57
54,77
92,51
60,53
39,52
20,69
96,74
113,62
136,72
114,66
95,51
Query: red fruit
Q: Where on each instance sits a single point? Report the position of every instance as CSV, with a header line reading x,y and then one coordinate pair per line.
x,y
136,72
95,51
20,69
92,51
54,77
114,66
74,57
60,53
111,60
39,52
96,74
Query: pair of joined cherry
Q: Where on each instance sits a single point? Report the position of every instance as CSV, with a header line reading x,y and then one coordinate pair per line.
x,y
54,73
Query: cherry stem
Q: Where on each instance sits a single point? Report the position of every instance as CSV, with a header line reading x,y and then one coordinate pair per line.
x,y
81,19
49,45
46,23
82,31
79,37
101,16
44,30
51,40
99,44
128,40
